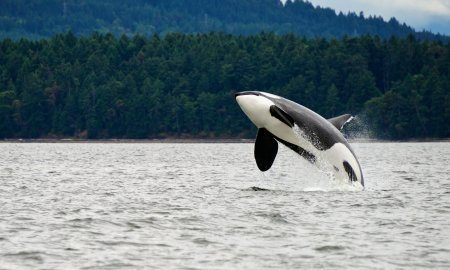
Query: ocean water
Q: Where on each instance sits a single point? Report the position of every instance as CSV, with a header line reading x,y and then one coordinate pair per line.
x,y
195,206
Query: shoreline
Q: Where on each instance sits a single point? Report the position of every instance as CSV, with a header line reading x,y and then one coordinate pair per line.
x,y
167,140
198,140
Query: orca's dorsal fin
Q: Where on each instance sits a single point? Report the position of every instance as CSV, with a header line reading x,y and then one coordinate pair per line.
x,y
340,121
266,149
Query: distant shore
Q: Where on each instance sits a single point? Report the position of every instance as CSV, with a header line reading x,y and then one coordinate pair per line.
x,y
166,140
192,140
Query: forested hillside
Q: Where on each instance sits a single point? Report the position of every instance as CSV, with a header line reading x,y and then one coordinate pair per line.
x,y
182,85
44,18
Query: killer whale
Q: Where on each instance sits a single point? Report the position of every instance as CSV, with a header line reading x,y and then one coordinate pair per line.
x,y
300,129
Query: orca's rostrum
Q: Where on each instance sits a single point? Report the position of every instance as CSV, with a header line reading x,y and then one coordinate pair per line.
x,y
302,130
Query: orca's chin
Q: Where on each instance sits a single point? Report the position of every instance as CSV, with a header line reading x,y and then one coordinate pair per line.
x,y
255,106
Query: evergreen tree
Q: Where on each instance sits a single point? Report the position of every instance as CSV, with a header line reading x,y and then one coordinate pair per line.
x,y
182,85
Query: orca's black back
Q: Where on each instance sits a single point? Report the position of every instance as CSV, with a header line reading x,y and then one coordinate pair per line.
x,y
321,132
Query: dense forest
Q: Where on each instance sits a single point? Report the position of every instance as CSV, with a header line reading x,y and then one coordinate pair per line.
x,y
44,18
182,84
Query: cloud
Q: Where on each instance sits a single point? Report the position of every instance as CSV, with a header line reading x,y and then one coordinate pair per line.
x,y
420,14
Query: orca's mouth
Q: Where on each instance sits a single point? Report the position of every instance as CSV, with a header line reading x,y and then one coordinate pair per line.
x,y
247,93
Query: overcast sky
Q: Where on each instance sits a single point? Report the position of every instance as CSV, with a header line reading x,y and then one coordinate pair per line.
x,y
431,15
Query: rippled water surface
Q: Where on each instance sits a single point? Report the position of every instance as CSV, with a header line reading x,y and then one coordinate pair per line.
x,y
192,206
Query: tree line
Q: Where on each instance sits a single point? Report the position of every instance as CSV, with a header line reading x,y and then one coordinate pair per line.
x,y
182,85
45,18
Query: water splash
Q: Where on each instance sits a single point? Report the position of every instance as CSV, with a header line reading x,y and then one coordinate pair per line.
x,y
359,129
292,172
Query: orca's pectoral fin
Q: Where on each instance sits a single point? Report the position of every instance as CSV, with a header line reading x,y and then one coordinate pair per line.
x,y
266,149
340,121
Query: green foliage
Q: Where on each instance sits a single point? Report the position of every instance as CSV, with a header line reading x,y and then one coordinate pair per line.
x,y
45,18
182,85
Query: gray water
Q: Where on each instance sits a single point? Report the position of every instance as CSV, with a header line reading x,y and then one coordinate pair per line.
x,y
192,206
